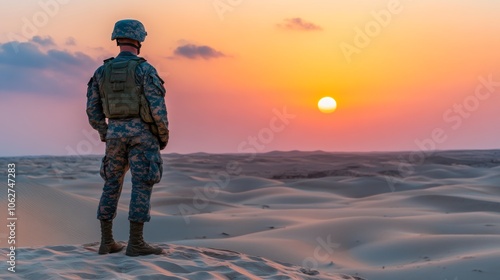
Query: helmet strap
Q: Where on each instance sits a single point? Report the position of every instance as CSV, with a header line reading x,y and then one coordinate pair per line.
x,y
130,44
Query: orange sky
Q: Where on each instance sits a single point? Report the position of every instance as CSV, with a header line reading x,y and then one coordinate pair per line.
x,y
396,69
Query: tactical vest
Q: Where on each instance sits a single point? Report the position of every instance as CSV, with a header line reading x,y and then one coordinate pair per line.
x,y
120,95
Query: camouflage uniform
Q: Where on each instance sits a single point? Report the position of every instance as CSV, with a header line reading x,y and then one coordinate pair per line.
x,y
130,144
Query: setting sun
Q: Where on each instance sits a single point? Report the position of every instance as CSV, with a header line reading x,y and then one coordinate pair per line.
x,y
327,105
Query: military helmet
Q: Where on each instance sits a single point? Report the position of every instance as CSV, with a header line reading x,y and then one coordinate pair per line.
x,y
129,28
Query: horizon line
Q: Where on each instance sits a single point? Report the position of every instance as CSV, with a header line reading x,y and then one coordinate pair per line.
x,y
273,151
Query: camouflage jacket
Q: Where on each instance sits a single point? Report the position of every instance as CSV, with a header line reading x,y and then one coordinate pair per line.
x,y
154,91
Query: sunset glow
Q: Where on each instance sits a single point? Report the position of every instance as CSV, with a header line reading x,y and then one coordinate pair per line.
x,y
399,69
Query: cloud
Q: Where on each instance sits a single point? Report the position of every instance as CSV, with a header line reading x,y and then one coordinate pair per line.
x,y
194,52
28,55
299,24
25,68
46,41
21,54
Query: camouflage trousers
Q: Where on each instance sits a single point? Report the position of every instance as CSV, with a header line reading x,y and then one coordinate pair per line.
x,y
140,154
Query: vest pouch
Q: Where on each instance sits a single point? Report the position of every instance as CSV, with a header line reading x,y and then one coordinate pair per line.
x,y
121,95
146,115
145,110
118,75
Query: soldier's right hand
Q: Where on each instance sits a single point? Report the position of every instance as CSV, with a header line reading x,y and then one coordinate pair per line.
x,y
162,145
164,140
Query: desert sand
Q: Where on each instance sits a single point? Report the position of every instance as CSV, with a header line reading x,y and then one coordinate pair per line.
x,y
279,215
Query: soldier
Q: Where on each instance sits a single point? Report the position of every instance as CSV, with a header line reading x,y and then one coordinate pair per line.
x,y
129,93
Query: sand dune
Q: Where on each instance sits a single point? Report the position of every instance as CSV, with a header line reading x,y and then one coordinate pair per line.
x,y
368,215
177,262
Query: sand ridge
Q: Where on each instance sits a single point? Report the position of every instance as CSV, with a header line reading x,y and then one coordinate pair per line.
x,y
177,262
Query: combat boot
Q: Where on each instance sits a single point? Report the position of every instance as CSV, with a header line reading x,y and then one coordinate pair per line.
x,y
136,244
108,244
